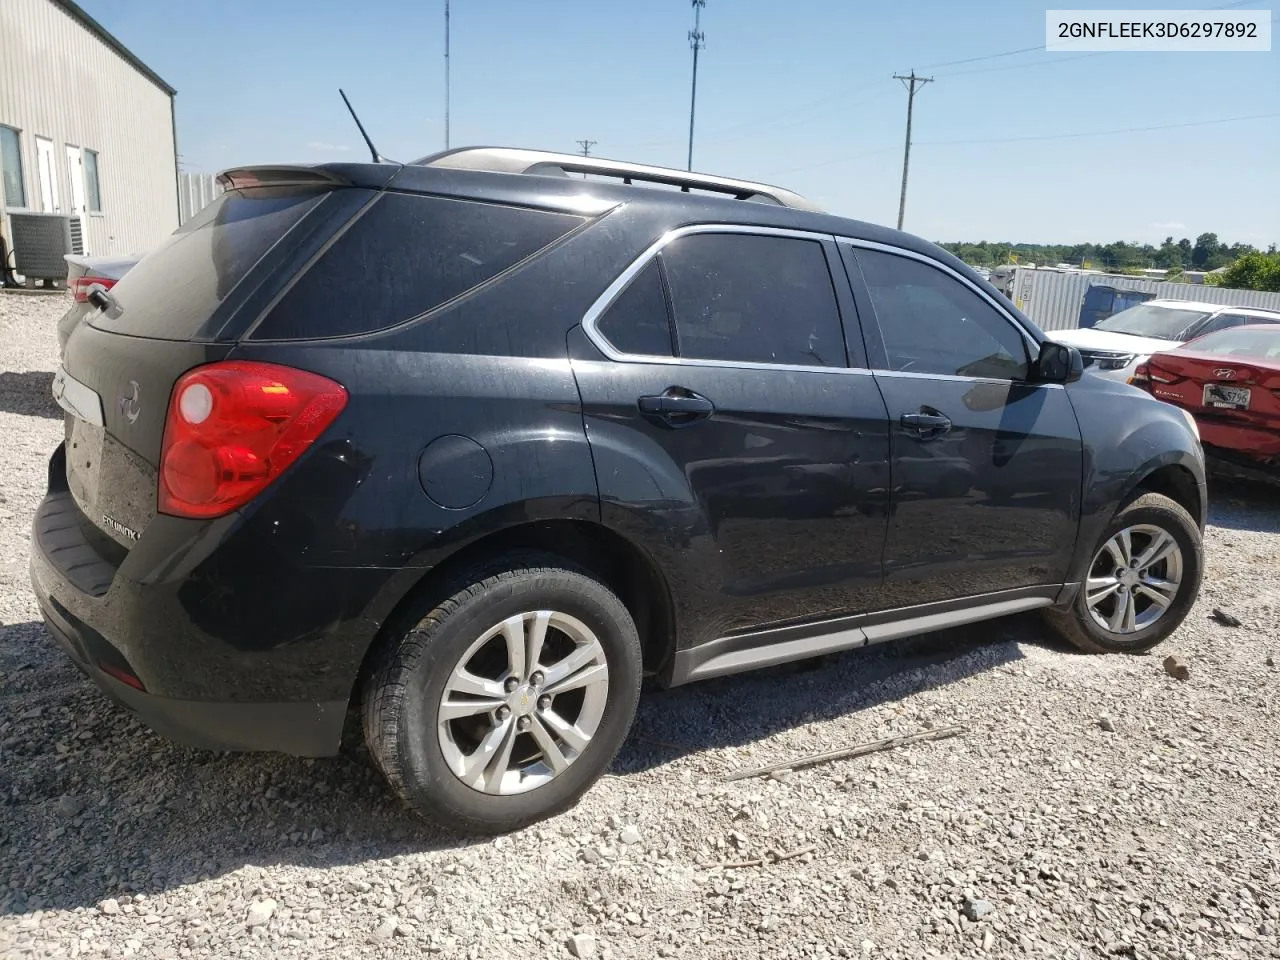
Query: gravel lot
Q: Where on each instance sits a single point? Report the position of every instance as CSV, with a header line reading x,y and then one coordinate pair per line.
x,y
1093,807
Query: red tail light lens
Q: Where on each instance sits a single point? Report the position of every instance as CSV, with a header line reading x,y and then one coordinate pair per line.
x,y
233,427
1141,376
80,286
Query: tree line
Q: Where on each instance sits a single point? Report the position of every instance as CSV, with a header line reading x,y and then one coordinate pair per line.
x,y
1206,252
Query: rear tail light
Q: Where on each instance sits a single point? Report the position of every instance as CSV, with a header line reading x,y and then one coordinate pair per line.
x,y
233,427
1141,376
1162,376
80,286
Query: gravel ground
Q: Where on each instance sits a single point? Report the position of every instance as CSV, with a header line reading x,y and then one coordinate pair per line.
x,y
1093,807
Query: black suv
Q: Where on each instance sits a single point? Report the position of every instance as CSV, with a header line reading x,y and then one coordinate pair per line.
x,y
478,442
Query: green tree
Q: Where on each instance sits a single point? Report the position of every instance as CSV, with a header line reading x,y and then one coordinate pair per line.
x,y
1253,271
1206,249
1170,255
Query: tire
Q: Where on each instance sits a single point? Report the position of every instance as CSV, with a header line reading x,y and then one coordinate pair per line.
x,y
1149,512
424,757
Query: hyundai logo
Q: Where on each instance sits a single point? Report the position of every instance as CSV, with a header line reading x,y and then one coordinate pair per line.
x,y
1225,373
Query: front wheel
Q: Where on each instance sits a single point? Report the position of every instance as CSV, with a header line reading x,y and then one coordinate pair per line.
x,y
508,700
1142,582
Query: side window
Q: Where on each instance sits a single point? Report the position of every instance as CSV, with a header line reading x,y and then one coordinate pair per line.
x,y
932,323
14,193
406,255
1223,321
754,299
93,187
637,322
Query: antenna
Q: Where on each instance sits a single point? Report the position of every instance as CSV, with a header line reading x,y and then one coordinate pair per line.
x,y
696,40
372,149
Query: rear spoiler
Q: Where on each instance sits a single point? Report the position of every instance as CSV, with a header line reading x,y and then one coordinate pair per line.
x,y
240,178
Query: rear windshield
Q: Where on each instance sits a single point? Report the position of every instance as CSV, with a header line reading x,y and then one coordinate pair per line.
x,y
1149,320
405,256
1263,344
175,288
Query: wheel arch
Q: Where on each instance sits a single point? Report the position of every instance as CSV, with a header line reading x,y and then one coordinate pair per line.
x,y
1178,483
622,565
1176,475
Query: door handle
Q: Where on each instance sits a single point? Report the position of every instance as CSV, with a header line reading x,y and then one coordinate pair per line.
x,y
926,423
677,407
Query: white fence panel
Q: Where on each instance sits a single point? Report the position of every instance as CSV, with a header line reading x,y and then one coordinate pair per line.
x,y
195,192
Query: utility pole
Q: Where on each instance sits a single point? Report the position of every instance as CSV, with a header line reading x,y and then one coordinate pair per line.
x,y
586,146
696,40
446,74
912,83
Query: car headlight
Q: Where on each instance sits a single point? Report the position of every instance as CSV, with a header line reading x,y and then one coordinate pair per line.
x,y
1116,361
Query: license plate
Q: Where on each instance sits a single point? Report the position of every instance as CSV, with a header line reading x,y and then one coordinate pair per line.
x,y
1230,398
85,443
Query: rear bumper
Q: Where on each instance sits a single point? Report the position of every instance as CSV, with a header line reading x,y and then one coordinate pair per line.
x,y
1232,465
301,729
1240,440
209,632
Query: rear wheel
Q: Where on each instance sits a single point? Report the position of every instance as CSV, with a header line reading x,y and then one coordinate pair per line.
x,y
508,700
1141,583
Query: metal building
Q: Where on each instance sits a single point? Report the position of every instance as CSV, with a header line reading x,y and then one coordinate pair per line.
x,y
1055,300
86,130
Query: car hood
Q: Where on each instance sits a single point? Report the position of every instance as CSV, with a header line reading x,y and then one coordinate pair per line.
x,y
1110,342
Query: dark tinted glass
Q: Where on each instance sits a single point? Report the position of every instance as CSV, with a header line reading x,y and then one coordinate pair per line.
x,y
1223,321
405,256
637,321
932,323
175,288
758,299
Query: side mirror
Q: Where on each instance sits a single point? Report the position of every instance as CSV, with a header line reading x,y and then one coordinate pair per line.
x,y
1059,363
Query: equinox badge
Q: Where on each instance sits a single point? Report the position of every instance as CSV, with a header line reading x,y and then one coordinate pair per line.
x,y
120,528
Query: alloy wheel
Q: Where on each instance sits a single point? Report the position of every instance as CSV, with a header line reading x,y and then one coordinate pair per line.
x,y
523,702
1134,579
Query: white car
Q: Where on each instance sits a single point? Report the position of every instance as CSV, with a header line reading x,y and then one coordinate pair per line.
x,y
1116,346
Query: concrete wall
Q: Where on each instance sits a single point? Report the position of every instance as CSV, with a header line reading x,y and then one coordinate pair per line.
x,y
61,81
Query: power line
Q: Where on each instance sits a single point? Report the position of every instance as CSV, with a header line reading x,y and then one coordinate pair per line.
x,y
1101,133
827,163
912,83
789,115
1022,66
989,56
696,40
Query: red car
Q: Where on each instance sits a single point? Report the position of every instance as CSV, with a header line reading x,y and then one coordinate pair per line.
x,y
1230,383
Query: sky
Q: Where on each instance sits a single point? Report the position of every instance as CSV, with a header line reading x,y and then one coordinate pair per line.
x,y
796,94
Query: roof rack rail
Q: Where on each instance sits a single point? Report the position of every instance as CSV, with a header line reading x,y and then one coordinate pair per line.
x,y
546,163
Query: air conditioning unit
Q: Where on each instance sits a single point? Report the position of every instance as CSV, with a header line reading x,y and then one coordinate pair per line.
x,y
40,241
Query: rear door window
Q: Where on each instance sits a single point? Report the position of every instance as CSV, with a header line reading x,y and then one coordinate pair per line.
x,y
637,322
407,255
754,299
174,289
